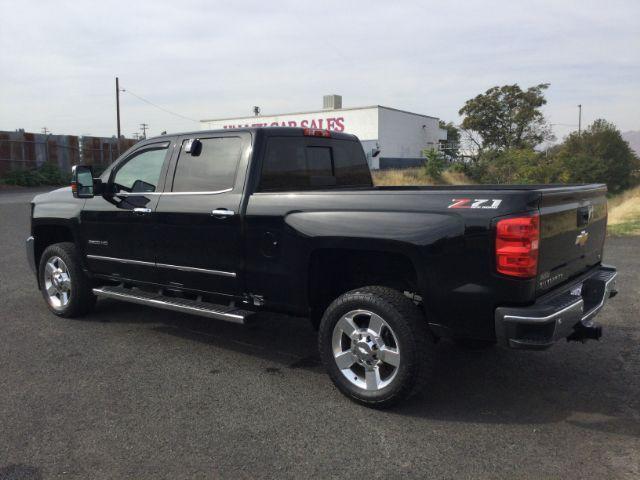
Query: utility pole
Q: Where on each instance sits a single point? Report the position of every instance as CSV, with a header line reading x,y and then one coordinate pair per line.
x,y
579,119
118,105
46,131
144,127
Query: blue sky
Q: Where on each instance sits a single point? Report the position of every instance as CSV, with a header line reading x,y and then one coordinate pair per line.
x,y
208,59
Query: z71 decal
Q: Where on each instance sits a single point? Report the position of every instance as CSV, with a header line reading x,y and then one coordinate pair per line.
x,y
475,203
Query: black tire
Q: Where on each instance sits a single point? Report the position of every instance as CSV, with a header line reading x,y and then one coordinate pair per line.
x,y
81,299
409,327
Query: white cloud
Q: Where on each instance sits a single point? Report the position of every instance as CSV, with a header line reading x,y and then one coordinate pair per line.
x,y
213,58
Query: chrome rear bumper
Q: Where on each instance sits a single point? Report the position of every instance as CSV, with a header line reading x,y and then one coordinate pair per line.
x,y
566,313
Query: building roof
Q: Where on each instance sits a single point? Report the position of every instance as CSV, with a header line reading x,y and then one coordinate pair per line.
x,y
318,111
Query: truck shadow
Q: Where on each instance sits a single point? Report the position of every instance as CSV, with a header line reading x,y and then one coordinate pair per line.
x,y
588,386
287,341
582,385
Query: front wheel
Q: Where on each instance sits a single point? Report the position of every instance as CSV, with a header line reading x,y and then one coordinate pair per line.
x,y
64,286
375,345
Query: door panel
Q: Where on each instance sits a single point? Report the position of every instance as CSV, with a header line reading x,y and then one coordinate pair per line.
x,y
118,228
199,221
196,249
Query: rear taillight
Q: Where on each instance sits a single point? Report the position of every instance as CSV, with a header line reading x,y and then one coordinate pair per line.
x,y
517,244
313,132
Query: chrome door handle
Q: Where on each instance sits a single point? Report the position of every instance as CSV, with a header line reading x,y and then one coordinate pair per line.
x,y
222,212
141,211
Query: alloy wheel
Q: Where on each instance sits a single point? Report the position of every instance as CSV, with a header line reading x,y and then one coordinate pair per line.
x,y
57,283
365,350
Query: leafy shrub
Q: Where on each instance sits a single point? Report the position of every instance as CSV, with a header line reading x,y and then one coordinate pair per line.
x,y
46,174
599,154
52,175
435,164
515,166
458,167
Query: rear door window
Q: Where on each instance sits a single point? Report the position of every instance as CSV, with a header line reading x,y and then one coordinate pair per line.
x,y
212,169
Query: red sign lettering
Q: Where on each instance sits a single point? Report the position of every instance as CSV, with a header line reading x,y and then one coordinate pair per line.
x,y
333,123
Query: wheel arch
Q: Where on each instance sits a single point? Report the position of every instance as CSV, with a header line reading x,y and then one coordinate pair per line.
x,y
335,270
410,241
49,233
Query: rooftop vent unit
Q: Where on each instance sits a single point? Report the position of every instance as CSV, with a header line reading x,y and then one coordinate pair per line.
x,y
331,102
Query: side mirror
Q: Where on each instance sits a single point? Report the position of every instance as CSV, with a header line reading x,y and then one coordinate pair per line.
x,y
193,146
375,152
82,181
140,186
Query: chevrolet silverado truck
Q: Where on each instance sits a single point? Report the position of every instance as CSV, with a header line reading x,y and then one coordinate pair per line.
x,y
225,224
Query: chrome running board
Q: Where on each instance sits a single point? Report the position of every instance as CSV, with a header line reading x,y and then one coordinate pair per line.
x,y
182,305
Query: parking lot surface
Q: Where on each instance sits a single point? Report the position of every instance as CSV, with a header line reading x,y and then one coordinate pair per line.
x,y
133,392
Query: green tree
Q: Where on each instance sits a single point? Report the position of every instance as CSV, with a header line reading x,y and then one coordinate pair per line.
x,y
450,146
435,164
515,166
507,117
599,154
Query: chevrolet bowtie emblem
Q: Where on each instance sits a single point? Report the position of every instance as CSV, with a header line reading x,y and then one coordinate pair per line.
x,y
582,238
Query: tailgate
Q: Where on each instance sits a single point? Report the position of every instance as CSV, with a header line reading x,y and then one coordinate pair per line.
x,y
573,226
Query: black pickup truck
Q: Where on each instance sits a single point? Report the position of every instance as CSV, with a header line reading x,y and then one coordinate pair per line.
x,y
228,223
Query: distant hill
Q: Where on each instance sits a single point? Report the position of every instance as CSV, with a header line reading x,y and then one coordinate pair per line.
x,y
633,137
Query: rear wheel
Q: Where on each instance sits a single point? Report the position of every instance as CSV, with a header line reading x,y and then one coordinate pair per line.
x,y
65,287
375,345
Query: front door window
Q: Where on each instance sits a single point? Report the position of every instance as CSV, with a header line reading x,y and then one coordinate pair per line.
x,y
141,173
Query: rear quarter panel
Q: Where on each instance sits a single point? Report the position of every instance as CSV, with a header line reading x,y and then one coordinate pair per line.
x,y
451,249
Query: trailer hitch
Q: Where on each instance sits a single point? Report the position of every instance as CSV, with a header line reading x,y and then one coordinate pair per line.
x,y
582,332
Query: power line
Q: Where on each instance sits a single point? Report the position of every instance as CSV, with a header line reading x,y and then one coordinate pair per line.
x,y
158,106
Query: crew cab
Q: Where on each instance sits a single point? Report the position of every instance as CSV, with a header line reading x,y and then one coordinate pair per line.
x,y
224,224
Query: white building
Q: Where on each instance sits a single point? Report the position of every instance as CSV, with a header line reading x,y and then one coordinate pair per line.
x,y
401,136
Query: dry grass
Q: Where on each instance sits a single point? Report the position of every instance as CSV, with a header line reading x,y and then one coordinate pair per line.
x,y
624,213
624,209
456,178
416,177
401,177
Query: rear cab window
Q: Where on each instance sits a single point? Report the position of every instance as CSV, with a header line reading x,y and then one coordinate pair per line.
x,y
306,163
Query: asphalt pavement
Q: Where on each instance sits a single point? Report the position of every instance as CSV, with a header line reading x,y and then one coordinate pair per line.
x,y
133,392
